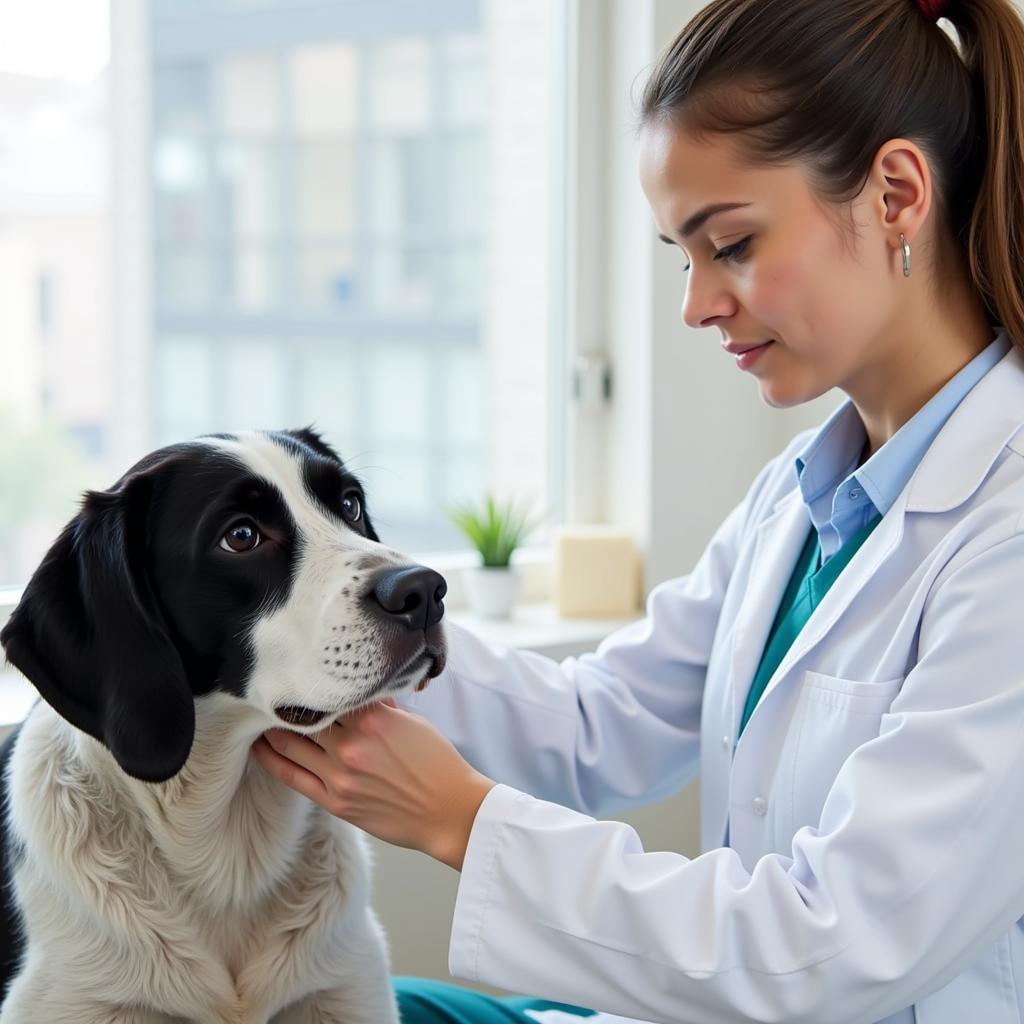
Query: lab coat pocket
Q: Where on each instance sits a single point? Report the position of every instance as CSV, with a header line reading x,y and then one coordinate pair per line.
x,y
833,717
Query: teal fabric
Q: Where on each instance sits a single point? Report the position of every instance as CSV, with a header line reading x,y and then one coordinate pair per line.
x,y
807,586
424,1001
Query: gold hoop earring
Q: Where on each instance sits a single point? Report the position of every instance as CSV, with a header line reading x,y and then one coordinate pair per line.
x,y
906,254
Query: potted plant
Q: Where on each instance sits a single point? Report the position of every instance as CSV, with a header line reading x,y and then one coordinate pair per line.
x,y
495,530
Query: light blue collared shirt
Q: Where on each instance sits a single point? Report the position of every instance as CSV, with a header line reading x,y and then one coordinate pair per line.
x,y
841,497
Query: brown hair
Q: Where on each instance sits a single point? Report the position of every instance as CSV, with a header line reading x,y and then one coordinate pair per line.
x,y
827,82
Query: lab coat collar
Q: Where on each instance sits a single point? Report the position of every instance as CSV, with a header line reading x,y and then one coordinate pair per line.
x,y
979,429
981,426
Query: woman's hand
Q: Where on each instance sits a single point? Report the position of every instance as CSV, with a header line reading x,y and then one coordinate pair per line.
x,y
387,771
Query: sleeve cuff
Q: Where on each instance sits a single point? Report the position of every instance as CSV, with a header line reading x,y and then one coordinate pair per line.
x,y
474,892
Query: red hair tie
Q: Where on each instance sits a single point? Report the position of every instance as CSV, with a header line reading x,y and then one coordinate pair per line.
x,y
933,9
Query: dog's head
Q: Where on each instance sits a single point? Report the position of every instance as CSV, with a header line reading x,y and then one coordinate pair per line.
x,y
238,563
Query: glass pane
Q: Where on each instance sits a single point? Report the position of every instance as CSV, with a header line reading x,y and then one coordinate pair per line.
x,y
249,190
184,383
251,276
464,480
313,189
323,89
465,278
42,473
463,99
180,174
326,277
182,276
256,385
325,189
400,86
397,485
173,6
402,192
464,179
399,393
328,396
463,397
248,95
402,279
181,95
292,208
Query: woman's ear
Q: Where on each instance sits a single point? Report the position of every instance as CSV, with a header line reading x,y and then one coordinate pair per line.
x,y
89,635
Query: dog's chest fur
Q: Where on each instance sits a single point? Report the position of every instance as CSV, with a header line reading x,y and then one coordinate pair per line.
x,y
197,869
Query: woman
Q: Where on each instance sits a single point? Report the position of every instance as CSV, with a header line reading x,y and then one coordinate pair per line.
x,y
845,664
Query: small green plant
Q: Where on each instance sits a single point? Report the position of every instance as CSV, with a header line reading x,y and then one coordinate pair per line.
x,y
495,529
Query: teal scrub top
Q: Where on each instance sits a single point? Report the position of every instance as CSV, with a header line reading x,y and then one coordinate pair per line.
x,y
807,586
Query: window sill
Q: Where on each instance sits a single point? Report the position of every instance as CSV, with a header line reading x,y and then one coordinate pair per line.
x,y
532,627
537,627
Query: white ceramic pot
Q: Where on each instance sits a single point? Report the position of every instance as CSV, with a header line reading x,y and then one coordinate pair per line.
x,y
491,592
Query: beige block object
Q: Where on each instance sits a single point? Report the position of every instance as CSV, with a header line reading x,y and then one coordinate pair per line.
x,y
596,572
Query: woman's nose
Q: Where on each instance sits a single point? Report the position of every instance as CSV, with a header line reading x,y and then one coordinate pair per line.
x,y
705,303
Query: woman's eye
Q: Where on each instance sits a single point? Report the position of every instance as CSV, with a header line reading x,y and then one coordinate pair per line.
x,y
241,537
734,252
352,507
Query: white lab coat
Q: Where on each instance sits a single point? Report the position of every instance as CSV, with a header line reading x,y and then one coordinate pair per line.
x,y
875,801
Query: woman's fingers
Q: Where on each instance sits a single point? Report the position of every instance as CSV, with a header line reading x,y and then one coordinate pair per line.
x,y
304,750
292,774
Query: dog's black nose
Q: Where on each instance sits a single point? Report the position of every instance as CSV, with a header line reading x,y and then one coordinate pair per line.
x,y
413,594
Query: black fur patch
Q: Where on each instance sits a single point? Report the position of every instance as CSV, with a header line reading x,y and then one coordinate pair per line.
x,y
325,477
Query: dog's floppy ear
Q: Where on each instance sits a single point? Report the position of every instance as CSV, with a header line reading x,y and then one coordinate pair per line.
x,y
89,635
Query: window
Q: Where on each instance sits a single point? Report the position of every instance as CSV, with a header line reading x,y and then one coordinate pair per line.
x,y
265,215
337,205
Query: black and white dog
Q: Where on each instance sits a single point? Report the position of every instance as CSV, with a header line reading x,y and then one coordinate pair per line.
x,y
156,873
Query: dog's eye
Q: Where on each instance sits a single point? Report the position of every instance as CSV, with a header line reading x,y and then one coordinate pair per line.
x,y
241,537
352,507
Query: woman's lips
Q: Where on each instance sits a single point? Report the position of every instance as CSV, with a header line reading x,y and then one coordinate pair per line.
x,y
747,359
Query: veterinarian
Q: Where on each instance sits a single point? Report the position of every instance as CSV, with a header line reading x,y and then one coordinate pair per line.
x,y
844,667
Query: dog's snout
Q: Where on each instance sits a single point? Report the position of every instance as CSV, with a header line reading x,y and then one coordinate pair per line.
x,y
413,594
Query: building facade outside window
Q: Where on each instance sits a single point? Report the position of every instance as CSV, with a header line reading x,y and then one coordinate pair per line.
x,y
351,217
331,213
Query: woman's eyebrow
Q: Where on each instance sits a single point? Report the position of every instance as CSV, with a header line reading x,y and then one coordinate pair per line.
x,y
701,217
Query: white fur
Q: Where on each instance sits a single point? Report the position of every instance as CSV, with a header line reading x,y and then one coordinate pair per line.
x,y
219,896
